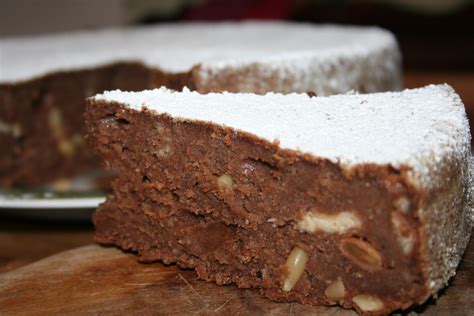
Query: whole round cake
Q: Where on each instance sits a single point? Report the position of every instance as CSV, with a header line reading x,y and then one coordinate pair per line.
x,y
44,80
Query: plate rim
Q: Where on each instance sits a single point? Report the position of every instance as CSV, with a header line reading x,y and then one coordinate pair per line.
x,y
51,203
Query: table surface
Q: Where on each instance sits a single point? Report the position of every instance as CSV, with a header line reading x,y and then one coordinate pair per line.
x,y
104,280
23,240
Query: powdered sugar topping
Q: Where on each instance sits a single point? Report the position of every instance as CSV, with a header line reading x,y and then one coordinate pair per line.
x,y
416,127
294,48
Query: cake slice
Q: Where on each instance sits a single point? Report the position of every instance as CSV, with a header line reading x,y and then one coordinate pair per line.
x,y
357,200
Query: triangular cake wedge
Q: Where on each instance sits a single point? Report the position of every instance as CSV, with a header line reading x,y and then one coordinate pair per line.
x,y
358,200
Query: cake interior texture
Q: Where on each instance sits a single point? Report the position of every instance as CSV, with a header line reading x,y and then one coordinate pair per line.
x,y
42,120
44,80
357,200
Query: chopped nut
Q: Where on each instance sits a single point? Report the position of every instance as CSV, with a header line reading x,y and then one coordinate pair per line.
x,y
402,204
335,291
406,237
406,243
62,185
16,131
362,253
295,264
13,129
56,122
329,223
163,151
66,148
225,181
367,303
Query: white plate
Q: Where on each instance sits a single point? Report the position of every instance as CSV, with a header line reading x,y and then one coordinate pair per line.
x,y
21,202
80,192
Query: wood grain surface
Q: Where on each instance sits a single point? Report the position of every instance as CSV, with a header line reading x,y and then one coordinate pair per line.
x,y
100,280
26,240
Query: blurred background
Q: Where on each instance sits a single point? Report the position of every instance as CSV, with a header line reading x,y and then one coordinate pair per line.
x,y
436,36
433,34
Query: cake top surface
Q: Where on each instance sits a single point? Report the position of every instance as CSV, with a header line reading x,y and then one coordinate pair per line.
x,y
416,127
179,47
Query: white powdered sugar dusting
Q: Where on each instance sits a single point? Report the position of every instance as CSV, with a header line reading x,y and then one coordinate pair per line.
x,y
307,53
418,127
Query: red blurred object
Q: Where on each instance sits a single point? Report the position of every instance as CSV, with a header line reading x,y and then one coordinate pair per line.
x,y
241,10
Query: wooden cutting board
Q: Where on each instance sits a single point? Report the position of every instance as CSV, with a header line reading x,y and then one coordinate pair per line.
x,y
99,280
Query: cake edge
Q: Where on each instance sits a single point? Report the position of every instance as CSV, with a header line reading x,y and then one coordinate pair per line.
x,y
325,71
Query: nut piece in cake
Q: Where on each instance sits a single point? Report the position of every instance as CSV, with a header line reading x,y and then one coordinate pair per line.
x,y
12,129
295,266
362,253
335,291
402,204
368,303
405,235
225,181
330,223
